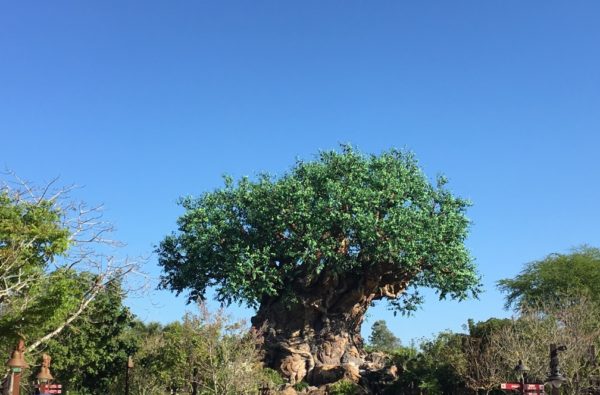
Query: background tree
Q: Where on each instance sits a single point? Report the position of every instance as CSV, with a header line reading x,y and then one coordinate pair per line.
x,y
432,368
31,234
528,337
205,353
382,339
90,354
315,247
148,375
558,302
55,261
481,368
555,279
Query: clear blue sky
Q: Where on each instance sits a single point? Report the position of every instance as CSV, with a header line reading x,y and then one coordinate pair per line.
x,y
145,101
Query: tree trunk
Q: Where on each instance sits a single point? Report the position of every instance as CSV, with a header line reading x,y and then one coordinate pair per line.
x,y
318,338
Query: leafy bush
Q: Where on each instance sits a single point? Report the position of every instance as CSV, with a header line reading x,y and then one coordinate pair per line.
x,y
273,377
344,387
301,386
206,352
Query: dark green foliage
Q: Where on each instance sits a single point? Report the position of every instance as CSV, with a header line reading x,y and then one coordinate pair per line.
x,y
485,329
342,214
273,376
47,295
344,387
90,354
301,386
432,369
31,233
382,339
206,351
555,279
51,299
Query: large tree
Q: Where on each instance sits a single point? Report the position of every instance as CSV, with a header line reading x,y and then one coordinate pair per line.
x,y
313,248
556,279
54,261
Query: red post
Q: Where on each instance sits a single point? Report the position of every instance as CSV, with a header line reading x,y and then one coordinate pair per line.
x,y
128,367
16,383
16,363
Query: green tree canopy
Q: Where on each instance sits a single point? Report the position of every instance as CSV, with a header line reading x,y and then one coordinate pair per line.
x,y
31,234
89,355
53,261
556,277
342,214
433,367
485,329
382,339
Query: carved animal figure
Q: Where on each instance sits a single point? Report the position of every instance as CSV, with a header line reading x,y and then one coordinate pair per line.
x,y
294,367
46,359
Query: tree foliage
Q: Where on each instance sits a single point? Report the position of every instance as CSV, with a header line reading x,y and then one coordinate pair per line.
x,y
89,355
54,261
31,234
481,367
205,352
556,279
433,367
558,302
529,335
382,339
341,214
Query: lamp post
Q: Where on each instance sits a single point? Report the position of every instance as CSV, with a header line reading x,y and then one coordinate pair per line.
x,y
128,367
44,377
555,379
521,370
16,363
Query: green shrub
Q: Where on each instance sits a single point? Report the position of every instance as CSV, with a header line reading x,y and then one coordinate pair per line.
x,y
273,376
301,386
344,387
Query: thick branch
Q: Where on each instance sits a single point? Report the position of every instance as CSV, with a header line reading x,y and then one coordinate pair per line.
x,y
82,307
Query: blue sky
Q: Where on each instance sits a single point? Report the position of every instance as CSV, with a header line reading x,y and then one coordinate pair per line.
x,y
146,101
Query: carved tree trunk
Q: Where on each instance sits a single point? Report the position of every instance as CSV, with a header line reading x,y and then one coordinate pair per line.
x,y
318,339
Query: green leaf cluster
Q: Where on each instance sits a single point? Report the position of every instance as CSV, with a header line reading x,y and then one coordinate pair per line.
x,y
33,298
33,228
31,235
382,339
206,352
89,355
555,279
344,387
42,290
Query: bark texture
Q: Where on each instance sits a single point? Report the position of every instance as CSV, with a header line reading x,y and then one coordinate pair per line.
x,y
318,339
